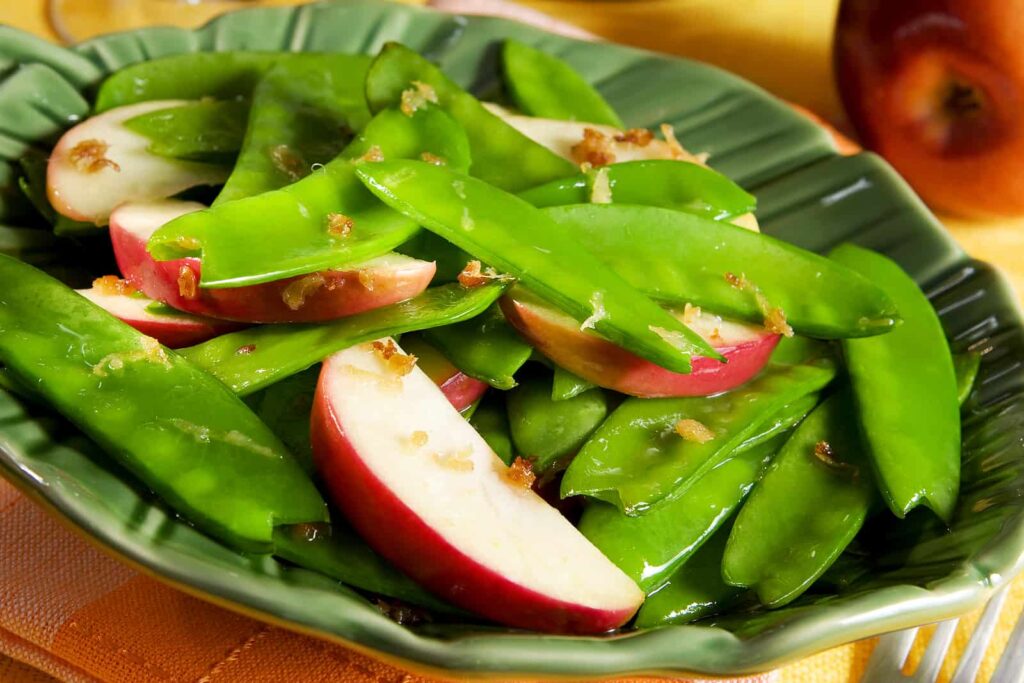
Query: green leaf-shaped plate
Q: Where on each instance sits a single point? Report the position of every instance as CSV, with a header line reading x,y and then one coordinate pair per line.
x,y
807,194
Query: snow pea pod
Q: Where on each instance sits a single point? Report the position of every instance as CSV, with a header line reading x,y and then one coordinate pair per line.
x,y
566,385
486,348
637,459
650,547
491,421
254,358
806,509
427,246
502,156
966,366
677,257
290,232
181,432
667,183
285,408
545,86
513,236
549,432
303,112
906,392
209,131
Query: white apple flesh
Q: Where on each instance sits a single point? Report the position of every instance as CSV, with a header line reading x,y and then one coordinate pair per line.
x,y
100,164
427,492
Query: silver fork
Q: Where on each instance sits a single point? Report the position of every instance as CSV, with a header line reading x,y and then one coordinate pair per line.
x,y
886,663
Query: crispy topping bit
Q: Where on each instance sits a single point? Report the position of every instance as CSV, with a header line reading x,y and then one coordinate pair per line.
x,y
595,149
676,150
416,97
473,276
457,461
288,161
823,452
775,322
641,137
188,286
601,189
520,473
433,159
295,294
113,285
151,352
399,363
373,154
245,350
418,438
339,225
586,167
384,350
692,430
366,279
390,382
690,314
774,317
90,156
597,312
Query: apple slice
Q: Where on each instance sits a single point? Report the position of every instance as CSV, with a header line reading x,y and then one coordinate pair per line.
x,y
173,329
100,164
427,492
461,389
558,336
320,296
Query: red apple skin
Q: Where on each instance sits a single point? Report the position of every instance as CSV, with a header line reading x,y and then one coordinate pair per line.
x,y
342,294
605,364
461,390
897,64
381,518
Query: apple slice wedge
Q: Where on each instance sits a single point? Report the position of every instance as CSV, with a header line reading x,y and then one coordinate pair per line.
x,y
173,329
100,164
558,336
320,296
461,389
427,492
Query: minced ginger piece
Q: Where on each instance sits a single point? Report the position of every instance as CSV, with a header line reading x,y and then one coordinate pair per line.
x,y
373,154
641,137
595,149
601,188
693,430
416,97
473,276
340,225
151,352
458,461
90,156
520,473
295,294
288,161
774,317
113,285
188,286
399,363
433,159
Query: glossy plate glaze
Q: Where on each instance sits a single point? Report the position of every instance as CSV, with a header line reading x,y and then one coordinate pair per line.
x,y
807,195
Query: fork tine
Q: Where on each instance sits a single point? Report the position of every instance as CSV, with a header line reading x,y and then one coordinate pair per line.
x,y
887,659
931,662
1011,665
974,653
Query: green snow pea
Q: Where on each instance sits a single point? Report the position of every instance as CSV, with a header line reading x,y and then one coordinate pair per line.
x,y
650,547
303,112
906,392
677,257
176,428
636,459
192,76
502,156
665,183
257,357
545,86
285,408
566,385
516,238
806,509
550,432
966,366
485,347
210,131
427,246
338,552
288,231
491,421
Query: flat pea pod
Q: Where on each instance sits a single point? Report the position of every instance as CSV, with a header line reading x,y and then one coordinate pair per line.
x,y
637,459
545,86
210,131
806,509
677,257
303,112
566,385
181,432
518,239
502,156
549,432
906,393
336,551
665,183
966,366
486,348
289,231
257,357
449,259
491,421
192,76
650,547
285,408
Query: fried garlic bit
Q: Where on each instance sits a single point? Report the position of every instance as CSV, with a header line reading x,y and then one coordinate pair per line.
x,y
112,284
641,137
774,317
188,286
294,295
90,156
694,430
366,279
340,225
473,275
520,473
373,154
150,352
288,161
458,461
416,97
433,159
595,149
397,362
823,452
245,350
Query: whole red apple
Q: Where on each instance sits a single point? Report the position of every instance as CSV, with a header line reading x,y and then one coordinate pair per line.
x,y
937,87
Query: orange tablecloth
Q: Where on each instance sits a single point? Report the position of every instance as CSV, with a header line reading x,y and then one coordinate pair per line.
x,y
70,611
